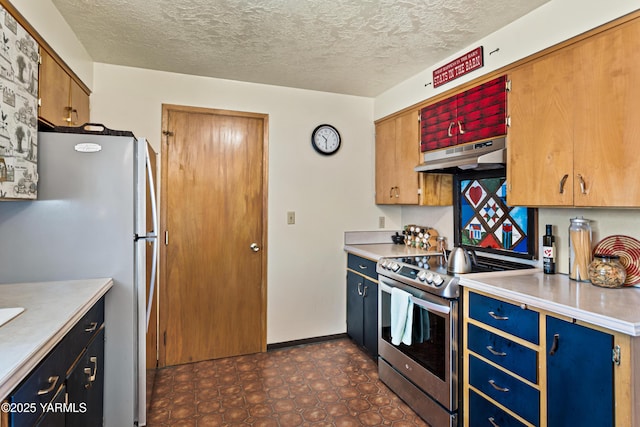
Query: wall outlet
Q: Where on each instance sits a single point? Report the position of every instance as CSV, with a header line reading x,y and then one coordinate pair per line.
x,y
381,222
291,218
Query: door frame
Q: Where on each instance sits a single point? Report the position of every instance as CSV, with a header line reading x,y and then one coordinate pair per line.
x,y
166,138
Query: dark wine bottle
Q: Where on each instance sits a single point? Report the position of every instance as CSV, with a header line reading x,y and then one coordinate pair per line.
x,y
549,251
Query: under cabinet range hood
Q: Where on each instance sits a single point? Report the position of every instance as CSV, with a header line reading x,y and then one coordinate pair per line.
x,y
483,155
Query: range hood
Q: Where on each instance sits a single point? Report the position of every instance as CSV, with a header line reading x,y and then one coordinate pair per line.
x,y
483,155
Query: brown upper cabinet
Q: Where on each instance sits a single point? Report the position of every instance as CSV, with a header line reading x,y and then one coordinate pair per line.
x,y
397,154
63,101
573,139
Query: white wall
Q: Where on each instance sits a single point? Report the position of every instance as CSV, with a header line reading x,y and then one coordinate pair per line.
x,y
548,25
306,262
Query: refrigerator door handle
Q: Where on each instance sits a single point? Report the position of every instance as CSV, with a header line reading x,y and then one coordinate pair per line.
x,y
154,214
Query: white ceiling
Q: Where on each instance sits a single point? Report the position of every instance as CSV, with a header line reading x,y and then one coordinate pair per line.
x,y
357,47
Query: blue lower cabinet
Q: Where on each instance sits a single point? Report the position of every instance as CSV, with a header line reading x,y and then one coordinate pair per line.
x,y
510,355
510,318
484,413
579,376
505,389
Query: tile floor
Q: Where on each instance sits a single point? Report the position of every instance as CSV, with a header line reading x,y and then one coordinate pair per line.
x,y
331,383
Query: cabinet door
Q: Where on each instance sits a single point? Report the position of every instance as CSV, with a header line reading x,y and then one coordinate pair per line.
x,y
407,154
579,376
79,105
397,153
370,310
53,418
438,128
385,161
355,307
540,138
85,386
482,111
607,127
55,86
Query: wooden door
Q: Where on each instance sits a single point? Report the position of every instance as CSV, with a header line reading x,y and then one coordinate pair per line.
x,y
213,293
607,126
540,138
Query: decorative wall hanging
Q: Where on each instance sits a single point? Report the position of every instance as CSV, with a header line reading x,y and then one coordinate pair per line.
x,y
18,110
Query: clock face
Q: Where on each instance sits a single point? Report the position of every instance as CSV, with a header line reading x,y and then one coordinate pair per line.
x,y
325,139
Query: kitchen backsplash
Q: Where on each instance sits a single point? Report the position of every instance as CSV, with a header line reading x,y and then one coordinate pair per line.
x,y
605,222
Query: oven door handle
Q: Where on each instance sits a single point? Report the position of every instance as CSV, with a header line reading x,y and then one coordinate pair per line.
x,y
428,305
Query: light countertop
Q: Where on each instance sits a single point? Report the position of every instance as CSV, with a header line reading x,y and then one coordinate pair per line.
x,y
379,250
614,309
51,309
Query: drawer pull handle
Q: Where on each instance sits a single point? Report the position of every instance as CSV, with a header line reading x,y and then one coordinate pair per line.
x,y
92,327
497,387
362,267
53,381
495,316
554,346
493,422
495,353
91,373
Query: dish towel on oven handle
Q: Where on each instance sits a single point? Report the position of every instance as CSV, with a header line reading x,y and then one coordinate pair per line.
x,y
401,316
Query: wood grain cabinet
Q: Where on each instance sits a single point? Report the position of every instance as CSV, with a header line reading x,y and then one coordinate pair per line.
x,y
574,124
63,101
362,303
397,154
72,374
526,367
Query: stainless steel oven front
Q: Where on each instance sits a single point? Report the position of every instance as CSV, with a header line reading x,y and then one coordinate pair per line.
x,y
424,372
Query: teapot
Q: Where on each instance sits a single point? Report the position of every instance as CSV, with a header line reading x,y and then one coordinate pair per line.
x,y
460,260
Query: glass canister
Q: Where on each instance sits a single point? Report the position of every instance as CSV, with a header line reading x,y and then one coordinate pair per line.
x,y
579,249
607,271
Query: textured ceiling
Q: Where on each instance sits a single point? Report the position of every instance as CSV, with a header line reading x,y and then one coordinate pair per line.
x,y
358,47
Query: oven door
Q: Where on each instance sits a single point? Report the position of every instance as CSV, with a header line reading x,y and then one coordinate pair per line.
x,y
430,361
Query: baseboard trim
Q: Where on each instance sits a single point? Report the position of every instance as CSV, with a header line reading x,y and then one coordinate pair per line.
x,y
305,341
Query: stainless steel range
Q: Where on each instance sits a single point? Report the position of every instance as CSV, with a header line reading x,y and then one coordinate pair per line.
x,y
418,347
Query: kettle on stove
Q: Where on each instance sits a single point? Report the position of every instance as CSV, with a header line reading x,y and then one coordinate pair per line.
x,y
461,260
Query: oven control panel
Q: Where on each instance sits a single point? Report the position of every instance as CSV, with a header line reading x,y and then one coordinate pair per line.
x,y
420,271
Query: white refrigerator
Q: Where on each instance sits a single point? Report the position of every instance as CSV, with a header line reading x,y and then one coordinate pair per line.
x,y
90,221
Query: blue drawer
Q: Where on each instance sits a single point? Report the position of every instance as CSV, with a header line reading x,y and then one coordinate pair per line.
x,y
362,265
78,337
510,355
484,413
509,318
510,392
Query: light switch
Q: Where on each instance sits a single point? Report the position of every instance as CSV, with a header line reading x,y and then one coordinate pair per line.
x,y
291,217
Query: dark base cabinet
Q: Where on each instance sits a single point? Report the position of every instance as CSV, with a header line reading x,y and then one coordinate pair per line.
x,y
362,304
579,376
67,386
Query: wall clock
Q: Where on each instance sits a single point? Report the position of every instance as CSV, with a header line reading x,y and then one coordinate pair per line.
x,y
325,139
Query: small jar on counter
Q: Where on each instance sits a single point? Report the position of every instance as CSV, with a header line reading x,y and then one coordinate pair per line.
x,y
607,271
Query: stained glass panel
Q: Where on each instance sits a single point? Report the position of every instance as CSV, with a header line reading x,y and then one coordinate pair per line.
x,y
485,220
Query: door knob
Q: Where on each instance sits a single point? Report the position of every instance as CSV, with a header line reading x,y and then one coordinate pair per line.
x,y
254,247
